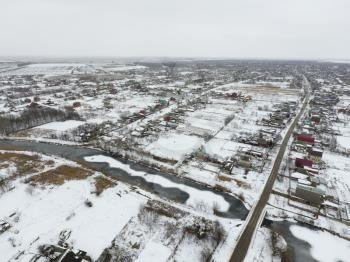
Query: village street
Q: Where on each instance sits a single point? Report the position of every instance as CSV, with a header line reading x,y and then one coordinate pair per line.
x,y
257,214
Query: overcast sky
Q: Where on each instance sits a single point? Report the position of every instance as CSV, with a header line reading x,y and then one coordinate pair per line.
x,y
195,28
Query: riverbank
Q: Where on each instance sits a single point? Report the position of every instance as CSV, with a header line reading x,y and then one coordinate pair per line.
x,y
75,153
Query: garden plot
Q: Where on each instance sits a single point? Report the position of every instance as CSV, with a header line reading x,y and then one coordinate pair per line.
x,y
92,103
134,103
174,146
278,82
222,149
338,173
61,125
164,233
197,172
224,134
206,121
343,140
112,107
50,130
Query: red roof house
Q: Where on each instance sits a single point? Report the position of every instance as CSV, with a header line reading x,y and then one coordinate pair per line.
x,y
299,162
306,138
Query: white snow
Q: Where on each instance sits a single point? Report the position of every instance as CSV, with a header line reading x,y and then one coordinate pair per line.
x,y
174,146
45,213
154,252
61,126
45,65
344,141
324,246
196,196
260,249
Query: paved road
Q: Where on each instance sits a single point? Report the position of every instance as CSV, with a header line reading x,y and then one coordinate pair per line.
x,y
243,243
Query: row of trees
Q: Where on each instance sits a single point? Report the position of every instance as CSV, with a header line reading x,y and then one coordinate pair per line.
x,y
32,117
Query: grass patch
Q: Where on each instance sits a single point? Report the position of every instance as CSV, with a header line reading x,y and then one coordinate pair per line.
x,y
12,148
102,183
25,164
23,133
17,157
60,175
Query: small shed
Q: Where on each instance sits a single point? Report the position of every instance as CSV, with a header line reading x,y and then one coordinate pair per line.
x,y
317,180
316,119
76,104
244,164
311,171
163,102
167,118
316,152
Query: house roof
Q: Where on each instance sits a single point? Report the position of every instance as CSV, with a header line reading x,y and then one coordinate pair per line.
x,y
316,190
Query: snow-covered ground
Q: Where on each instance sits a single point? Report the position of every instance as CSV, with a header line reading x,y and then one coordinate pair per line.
x,y
196,196
61,125
127,105
40,213
44,213
261,247
174,146
325,247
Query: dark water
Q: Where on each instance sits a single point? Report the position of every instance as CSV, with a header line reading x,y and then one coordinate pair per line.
x,y
76,153
298,250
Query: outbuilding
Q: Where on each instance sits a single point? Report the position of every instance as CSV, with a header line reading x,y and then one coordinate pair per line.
x,y
313,195
316,152
299,162
306,138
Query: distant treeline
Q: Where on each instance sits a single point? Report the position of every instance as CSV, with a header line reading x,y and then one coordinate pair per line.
x,y
32,117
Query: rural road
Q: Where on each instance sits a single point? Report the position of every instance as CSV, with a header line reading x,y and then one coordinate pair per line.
x,y
252,225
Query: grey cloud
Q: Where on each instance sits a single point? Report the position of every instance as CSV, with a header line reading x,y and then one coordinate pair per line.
x,y
223,28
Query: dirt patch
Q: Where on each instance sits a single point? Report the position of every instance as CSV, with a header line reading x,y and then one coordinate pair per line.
x,y
242,184
224,178
60,175
221,188
102,183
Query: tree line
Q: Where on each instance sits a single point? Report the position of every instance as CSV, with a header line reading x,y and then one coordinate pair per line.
x,y
32,117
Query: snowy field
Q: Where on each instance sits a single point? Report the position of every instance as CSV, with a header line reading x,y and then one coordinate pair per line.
x,y
196,196
61,126
41,208
321,242
40,213
174,146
